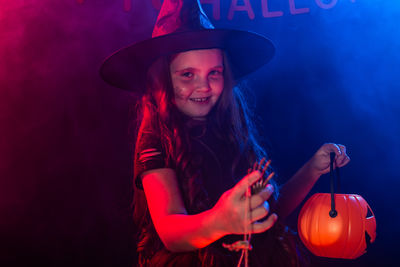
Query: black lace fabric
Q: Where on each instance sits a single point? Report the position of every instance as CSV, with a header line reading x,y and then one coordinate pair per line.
x,y
207,176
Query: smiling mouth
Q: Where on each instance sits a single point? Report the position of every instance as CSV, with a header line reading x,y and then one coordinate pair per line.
x,y
203,99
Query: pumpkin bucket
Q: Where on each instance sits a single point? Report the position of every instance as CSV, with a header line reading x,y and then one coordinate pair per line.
x,y
336,225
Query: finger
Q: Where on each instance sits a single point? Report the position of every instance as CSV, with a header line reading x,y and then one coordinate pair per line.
x,y
332,147
337,150
259,212
340,161
342,148
258,199
345,161
259,227
242,186
340,158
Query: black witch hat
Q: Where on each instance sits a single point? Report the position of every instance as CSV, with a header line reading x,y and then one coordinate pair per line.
x,y
182,25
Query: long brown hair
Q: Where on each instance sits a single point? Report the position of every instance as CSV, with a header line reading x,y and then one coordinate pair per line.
x,y
229,120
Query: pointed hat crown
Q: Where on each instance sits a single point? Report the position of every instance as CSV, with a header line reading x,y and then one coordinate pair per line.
x,y
181,16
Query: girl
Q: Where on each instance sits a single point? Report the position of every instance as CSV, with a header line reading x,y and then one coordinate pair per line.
x,y
196,143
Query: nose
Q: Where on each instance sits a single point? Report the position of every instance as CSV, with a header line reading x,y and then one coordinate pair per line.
x,y
203,84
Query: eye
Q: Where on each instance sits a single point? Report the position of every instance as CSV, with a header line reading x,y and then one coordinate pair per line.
x,y
215,73
187,74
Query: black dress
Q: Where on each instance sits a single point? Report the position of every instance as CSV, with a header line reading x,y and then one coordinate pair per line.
x,y
210,173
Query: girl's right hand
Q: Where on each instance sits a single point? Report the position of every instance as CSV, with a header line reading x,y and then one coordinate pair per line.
x,y
231,208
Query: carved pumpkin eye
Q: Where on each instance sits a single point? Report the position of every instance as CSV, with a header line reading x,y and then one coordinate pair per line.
x,y
343,236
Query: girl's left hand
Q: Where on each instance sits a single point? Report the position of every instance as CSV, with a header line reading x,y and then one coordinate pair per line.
x,y
321,159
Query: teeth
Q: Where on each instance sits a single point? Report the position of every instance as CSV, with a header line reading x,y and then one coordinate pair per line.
x,y
199,99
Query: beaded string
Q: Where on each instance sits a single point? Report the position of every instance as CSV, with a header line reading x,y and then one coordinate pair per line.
x,y
245,244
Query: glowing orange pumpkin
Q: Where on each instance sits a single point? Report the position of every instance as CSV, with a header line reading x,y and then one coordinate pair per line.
x,y
342,236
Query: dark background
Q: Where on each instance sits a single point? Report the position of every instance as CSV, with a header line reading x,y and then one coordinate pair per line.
x,y
65,151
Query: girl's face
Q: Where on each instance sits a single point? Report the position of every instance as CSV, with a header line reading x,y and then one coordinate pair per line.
x,y
198,81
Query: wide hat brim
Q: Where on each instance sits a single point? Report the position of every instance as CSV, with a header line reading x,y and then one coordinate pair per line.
x,y
127,68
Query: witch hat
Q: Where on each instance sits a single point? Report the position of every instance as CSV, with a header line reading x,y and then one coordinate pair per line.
x,y
182,25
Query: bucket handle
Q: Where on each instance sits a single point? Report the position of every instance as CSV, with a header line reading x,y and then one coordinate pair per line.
x,y
333,212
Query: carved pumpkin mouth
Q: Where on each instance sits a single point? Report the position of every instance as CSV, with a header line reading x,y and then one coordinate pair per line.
x,y
344,236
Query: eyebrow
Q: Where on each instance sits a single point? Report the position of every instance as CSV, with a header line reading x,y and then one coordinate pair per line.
x,y
191,68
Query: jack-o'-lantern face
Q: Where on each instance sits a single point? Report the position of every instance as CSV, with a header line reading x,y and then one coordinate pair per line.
x,y
342,236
